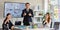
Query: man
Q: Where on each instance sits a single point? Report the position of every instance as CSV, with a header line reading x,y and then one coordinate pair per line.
x,y
27,13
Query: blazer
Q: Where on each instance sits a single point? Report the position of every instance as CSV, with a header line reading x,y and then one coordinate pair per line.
x,y
27,18
4,26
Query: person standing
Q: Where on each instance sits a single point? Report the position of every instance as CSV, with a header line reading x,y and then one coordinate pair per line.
x,y
27,13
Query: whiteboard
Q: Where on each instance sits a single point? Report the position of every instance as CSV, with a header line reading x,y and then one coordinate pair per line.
x,y
14,8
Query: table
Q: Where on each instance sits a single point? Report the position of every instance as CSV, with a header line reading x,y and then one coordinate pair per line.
x,y
26,28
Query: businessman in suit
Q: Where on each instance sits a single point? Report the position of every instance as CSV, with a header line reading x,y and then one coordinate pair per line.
x,y
27,13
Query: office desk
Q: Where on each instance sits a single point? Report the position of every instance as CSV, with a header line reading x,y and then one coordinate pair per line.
x,y
26,28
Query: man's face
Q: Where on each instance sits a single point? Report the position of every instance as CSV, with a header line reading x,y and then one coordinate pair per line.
x,y
27,6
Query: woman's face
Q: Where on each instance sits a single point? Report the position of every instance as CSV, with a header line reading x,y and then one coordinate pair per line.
x,y
9,17
47,16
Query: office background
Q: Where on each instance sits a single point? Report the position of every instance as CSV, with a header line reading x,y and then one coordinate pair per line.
x,y
32,2
44,5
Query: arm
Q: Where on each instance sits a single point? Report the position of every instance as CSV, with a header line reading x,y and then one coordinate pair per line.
x,y
22,13
11,23
32,13
11,26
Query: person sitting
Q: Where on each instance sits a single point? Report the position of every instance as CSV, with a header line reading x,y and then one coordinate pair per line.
x,y
7,24
47,20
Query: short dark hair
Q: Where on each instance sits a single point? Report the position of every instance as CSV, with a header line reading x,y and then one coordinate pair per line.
x,y
27,3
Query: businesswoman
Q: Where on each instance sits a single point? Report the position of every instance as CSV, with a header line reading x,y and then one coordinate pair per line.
x,y
47,20
7,24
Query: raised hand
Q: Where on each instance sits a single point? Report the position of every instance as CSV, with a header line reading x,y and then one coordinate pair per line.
x,y
30,14
24,14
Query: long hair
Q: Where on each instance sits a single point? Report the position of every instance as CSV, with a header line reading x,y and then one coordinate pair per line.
x,y
7,17
5,20
48,20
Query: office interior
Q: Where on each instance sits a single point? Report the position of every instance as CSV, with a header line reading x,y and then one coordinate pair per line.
x,y
51,6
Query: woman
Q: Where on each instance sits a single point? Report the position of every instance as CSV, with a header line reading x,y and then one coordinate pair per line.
x,y
7,24
47,20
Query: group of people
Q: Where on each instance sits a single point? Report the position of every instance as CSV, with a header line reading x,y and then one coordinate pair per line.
x,y
27,13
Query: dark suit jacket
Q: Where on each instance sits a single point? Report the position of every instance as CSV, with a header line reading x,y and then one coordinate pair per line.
x,y
27,18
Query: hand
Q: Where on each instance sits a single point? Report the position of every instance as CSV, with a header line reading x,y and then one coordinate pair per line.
x,y
30,14
24,14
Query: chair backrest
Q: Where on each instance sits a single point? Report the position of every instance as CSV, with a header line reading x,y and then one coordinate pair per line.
x,y
56,25
17,22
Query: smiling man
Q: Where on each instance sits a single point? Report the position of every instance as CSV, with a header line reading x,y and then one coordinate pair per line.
x,y
27,13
